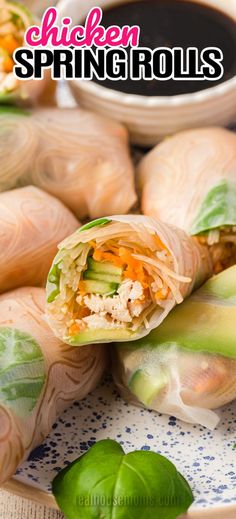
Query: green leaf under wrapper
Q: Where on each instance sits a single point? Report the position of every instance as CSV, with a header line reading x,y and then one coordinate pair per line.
x,y
22,371
217,210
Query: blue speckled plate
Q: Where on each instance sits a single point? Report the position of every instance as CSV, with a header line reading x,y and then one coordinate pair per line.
x,y
207,459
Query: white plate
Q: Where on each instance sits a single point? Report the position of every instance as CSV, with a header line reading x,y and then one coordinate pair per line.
x,y
206,459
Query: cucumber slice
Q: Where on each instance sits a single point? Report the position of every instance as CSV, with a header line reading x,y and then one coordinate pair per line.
x,y
104,267
98,276
146,387
99,335
100,287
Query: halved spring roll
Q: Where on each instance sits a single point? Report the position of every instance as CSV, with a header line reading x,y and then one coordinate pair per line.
x,y
117,278
15,18
32,223
187,366
190,180
39,376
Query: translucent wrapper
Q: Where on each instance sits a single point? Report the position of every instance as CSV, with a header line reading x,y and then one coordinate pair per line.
x,y
32,223
190,180
77,156
187,366
15,18
39,376
117,278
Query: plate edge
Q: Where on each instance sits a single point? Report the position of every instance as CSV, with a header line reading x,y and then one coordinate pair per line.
x,y
46,499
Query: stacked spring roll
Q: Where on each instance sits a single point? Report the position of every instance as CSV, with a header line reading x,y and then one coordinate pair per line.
x,y
77,156
15,18
117,278
187,366
32,223
190,180
39,376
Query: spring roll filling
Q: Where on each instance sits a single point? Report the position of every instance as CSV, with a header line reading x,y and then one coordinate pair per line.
x,y
150,375
116,281
13,21
222,247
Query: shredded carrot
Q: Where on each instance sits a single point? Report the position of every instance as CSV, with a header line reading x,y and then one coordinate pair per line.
x,y
81,288
9,43
207,385
218,267
100,255
83,312
160,295
74,329
215,379
8,64
160,243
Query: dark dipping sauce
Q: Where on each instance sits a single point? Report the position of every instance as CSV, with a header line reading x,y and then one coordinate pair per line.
x,y
174,23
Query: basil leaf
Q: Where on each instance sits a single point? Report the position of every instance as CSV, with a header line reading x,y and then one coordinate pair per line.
x,y
106,483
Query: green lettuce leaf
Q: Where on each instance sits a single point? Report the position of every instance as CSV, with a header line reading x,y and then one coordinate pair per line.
x,y
217,210
22,371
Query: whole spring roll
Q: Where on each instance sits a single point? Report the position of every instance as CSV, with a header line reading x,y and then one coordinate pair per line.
x,y
18,146
117,278
15,18
77,156
187,366
190,180
39,376
32,223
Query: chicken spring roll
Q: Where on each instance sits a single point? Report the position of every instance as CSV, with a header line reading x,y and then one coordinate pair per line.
x,y
79,157
15,18
39,376
32,223
18,146
187,366
190,180
119,277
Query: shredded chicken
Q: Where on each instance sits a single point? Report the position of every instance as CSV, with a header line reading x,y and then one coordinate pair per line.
x,y
222,246
96,321
117,310
7,81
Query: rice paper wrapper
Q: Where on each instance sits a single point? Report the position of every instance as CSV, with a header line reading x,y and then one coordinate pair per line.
x,y
39,376
190,267
32,223
190,180
187,366
77,156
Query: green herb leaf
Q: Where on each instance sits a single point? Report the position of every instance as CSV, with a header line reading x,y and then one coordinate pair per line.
x,y
106,483
94,223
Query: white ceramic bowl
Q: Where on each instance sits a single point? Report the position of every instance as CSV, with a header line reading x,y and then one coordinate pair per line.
x,y
150,119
